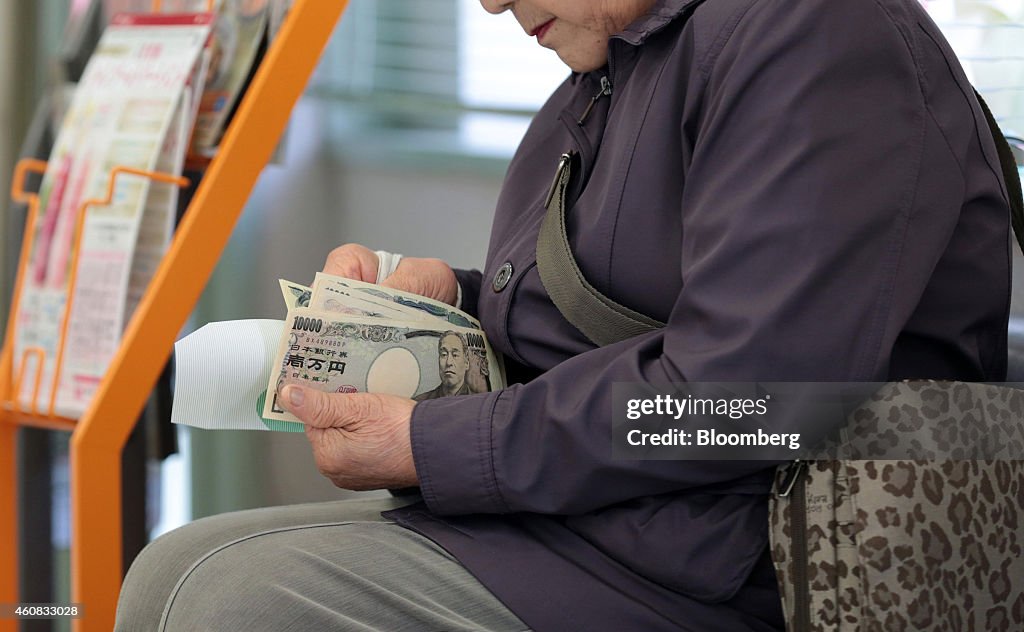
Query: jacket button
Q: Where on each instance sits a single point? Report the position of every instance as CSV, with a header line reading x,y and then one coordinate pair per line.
x,y
502,276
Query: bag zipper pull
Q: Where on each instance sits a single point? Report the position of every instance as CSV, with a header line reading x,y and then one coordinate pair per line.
x,y
793,472
606,91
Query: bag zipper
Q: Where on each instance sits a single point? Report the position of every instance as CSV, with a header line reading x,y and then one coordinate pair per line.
x,y
793,481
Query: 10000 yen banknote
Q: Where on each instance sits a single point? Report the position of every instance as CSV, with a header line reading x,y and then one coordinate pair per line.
x,y
341,300
344,353
413,304
295,294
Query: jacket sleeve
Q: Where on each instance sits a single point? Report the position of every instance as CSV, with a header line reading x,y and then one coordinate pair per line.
x,y
469,286
795,263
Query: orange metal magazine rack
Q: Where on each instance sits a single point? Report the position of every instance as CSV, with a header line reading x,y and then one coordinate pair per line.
x,y
99,436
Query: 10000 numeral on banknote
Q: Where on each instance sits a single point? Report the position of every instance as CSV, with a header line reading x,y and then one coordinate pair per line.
x,y
342,353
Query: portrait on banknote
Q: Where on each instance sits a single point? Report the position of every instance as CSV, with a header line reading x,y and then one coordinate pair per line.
x,y
453,368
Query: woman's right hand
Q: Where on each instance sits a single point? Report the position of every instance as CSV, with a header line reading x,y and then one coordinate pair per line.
x,y
432,278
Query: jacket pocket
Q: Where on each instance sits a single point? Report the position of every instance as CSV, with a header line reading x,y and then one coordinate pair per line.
x,y
701,545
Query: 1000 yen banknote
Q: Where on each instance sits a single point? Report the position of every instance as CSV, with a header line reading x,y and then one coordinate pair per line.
x,y
340,353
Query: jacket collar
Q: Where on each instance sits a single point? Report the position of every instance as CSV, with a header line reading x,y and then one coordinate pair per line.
x,y
658,17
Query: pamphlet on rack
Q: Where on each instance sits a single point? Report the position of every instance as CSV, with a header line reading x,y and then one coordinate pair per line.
x,y
238,34
157,224
129,109
240,28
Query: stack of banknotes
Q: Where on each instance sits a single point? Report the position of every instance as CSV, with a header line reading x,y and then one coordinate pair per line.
x,y
340,336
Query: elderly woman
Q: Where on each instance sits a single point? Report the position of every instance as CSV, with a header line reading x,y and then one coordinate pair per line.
x,y
802,191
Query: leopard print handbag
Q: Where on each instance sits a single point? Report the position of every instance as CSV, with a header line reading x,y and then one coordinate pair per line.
x,y
923,545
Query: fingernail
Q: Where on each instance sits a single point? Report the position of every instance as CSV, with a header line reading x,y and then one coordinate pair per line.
x,y
295,396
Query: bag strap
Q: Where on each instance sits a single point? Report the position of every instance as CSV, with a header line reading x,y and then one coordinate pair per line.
x,y
604,321
598,317
1010,174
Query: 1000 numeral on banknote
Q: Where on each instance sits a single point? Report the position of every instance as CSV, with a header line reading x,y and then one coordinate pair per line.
x,y
343,353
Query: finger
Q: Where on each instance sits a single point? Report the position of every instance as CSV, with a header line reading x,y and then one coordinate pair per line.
x,y
402,280
326,449
349,267
432,278
340,264
314,408
352,261
331,410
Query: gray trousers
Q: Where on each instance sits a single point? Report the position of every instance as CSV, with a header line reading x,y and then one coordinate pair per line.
x,y
323,566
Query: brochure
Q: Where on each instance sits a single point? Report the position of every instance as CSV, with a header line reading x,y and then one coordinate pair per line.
x,y
132,94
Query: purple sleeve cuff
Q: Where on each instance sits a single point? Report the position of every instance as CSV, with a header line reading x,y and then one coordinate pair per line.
x,y
469,283
453,453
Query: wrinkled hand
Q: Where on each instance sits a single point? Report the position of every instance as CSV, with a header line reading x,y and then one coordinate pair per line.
x,y
352,261
432,278
360,440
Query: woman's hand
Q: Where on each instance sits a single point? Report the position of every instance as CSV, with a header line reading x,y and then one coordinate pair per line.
x,y
353,261
432,278
360,440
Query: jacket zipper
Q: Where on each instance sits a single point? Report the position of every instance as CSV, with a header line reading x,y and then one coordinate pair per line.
x,y
606,91
794,482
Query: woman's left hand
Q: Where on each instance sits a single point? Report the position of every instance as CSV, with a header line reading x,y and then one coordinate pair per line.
x,y
360,440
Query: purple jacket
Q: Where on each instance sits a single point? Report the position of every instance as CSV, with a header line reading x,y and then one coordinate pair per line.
x,y
803,191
